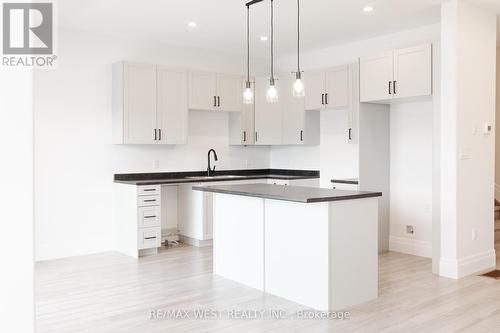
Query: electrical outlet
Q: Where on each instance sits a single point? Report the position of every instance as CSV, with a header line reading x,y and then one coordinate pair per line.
x,y
473,234
410,230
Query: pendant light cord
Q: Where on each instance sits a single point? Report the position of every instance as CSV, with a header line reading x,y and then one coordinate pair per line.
x,y
248,43
298,36
272,40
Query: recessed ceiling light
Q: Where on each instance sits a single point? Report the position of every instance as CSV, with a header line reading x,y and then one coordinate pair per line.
x,y
192,24
263,38
368,9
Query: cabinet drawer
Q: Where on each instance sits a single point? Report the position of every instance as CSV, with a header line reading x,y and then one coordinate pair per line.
x,y
148,189
148,217
148,200
149,238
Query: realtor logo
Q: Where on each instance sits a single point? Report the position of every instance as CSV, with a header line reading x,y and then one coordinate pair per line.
x,y
28,29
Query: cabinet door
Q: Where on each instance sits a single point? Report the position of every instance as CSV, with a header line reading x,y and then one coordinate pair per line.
x,y
353,110
242,124
172,110
376,74
267,115
202,91
315,84
337,87
139,103
413,71
292,113
229,93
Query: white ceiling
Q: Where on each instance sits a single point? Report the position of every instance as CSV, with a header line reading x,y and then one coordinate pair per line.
x,y
221,23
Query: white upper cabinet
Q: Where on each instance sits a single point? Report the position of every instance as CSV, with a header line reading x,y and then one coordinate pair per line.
x,y
149,107
315,86
242,124
327,89
403,73
171,105
229,92
413,72
134,103
217,92
202,91
267,115
337,87
376,77
293,113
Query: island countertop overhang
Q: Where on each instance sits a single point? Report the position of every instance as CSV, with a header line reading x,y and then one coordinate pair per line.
x,y
299,194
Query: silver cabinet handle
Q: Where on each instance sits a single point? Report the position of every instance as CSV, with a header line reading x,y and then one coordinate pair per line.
x,y
218,101
155,133
322,99
215,101
394,87
301,135
148,238
390,87
150,217
326,98
150,200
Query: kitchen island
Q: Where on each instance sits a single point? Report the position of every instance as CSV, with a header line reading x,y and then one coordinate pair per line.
x,y
317,247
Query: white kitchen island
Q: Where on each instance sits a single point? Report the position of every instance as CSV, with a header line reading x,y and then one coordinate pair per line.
x,y
317,247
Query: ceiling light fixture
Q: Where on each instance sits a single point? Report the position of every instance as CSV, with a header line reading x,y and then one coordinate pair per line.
x,y
192,24
272,90
248,93
263,38
368,9
298,86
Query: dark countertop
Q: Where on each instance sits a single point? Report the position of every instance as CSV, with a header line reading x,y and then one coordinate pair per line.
x,y
219,175
288,193
353,181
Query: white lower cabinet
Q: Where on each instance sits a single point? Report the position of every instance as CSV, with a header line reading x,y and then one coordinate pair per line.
x,y
138,219
148,238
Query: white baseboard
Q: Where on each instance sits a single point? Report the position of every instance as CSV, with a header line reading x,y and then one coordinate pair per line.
x,y
410,246
195,242
473,264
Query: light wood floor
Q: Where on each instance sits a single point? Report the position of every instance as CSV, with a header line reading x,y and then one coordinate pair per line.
x,y
113,293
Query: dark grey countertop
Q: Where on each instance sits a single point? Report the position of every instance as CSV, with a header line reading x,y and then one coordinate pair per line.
x,y
353,181
288,193
219,175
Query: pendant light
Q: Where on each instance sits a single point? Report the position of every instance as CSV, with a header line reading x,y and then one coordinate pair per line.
x,y
298,86
272,91
248,93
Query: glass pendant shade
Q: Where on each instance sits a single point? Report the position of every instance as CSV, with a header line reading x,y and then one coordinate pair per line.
x,y
248,94
298,86
272,92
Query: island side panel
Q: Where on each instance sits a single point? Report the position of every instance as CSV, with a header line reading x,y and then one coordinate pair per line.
x,y
239,239
353,252
296,252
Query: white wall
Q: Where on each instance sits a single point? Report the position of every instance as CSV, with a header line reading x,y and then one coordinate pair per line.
x,y
74,160
17,311
467,155
411,177
338,159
